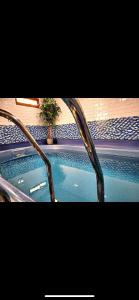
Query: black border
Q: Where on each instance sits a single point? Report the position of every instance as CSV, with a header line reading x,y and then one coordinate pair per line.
x,y
85,247
69,248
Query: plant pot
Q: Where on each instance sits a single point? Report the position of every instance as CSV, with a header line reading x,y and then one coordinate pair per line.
x,y
50,141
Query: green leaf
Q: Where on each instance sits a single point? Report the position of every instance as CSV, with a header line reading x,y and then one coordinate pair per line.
x,y
50,111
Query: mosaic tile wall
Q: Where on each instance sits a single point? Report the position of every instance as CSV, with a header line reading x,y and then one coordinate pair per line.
x,y
113,129
12,134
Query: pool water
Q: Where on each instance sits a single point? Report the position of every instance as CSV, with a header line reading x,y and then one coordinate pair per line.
x,y
74,178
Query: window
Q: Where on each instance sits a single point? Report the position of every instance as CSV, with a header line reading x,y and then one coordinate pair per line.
x,y
32,102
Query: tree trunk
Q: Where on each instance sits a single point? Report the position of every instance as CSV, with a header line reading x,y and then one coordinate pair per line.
x,y
50,134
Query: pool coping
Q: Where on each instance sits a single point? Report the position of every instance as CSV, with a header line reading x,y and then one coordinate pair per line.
x,y
100,150
15,194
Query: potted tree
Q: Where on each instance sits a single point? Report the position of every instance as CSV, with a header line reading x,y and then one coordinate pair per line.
x,y
49,113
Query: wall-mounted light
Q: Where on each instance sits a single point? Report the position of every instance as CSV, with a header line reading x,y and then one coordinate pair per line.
x,y
123,99
31,102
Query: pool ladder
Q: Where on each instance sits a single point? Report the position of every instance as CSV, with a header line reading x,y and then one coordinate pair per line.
x,y
79,117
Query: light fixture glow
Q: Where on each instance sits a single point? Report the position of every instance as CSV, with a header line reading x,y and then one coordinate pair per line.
x,y
20,181
33,102
123,99
76,185
37,187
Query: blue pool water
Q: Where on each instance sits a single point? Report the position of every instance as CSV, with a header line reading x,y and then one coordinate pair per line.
x,y
74,178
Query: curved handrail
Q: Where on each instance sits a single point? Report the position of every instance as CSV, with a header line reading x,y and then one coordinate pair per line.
x,y
4,197
9,116
79,117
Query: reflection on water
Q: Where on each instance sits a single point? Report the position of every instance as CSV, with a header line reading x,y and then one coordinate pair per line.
x,y
74,178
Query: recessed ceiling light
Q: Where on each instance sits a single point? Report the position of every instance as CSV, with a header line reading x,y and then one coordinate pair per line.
x,y
33,102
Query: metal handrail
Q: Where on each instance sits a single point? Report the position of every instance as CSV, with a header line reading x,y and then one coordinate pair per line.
x,y
9,116
79,117
4,197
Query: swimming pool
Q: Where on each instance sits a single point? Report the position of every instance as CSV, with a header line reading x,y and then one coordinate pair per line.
x,y
74,178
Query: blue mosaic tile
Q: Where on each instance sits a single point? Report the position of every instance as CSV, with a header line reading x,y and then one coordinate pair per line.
x,y
12,134
116,129
113,129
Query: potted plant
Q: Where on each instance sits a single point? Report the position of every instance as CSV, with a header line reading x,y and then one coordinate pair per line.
x,y
49,113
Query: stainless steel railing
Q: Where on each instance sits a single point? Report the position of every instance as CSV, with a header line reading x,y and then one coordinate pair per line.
x,y
9,116
79,117
4,197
